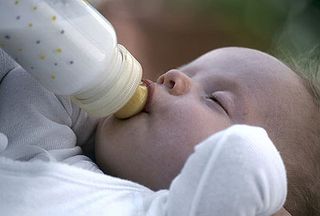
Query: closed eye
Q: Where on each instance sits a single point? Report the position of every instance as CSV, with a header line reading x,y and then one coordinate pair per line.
x,y
217,101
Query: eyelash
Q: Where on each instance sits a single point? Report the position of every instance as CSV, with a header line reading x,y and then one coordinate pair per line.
x,y
215,100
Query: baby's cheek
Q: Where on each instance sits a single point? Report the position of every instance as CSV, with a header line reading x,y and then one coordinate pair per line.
x,y
102,143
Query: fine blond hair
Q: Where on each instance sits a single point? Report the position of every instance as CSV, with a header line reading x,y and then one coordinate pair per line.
x,y
307,66
306,196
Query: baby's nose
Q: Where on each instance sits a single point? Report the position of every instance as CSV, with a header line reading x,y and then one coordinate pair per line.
x,y
177,82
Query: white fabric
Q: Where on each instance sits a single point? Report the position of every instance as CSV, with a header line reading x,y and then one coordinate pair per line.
x,y
39,124
235,172
42,172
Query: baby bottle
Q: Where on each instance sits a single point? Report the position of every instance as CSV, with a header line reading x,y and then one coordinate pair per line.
x,y
72,50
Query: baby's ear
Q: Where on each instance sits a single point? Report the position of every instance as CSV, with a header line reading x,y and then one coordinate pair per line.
x,y
282,212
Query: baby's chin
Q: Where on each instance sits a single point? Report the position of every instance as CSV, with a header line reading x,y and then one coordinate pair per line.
x,y
112,125
112,121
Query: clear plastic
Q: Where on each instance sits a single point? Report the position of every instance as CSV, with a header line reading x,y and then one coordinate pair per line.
x,y
72,50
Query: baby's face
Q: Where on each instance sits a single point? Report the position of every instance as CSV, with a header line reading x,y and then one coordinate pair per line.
x,y
223,87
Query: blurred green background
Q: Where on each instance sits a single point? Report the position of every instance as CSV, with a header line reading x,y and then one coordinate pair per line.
x,y
164,34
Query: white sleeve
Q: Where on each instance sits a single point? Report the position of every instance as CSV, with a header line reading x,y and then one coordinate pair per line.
x,y
6,64
37,123
235,172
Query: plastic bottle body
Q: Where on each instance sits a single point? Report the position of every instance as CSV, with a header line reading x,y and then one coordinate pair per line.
x,y
57,41
70,48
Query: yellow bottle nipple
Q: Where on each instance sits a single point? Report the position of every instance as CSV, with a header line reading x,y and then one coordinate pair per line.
x,y
135,104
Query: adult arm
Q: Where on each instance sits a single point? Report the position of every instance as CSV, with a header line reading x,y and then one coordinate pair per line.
x,y
6,63
37,123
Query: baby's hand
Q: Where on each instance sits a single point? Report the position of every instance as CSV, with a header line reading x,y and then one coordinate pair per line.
x,y
237,171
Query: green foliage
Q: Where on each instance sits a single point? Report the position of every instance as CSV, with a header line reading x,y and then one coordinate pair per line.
x,y
293,23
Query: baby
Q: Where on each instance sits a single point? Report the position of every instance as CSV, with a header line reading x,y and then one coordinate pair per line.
x,y
222,88
194,104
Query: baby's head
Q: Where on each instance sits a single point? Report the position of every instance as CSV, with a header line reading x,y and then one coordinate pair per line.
x,y
221,88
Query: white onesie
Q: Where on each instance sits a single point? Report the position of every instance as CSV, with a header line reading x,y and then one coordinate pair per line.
x,y
237,171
